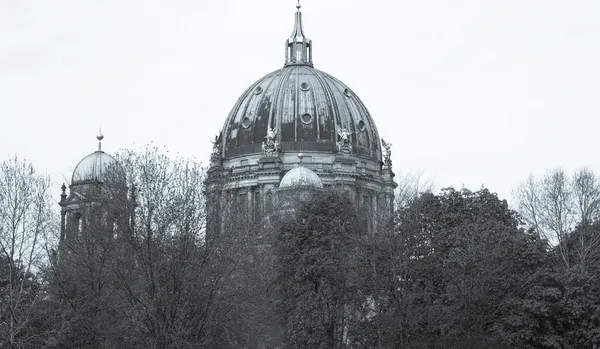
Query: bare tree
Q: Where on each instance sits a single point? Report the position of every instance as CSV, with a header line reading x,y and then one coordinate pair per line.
x,y
26,219
555,204
586,193
410,186
527,195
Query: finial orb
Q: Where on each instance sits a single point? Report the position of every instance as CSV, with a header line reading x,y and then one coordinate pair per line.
x,y
300,156
100,136
298,6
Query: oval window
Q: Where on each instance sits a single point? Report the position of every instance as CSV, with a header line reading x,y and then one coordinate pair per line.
x,y
258,90
361,125
347,92
245,122
306,118
304,86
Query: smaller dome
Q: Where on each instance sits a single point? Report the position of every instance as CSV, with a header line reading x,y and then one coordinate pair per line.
x,y
94,168
300,176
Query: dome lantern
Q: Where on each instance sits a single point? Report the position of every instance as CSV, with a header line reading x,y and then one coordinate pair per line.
x,y
298,48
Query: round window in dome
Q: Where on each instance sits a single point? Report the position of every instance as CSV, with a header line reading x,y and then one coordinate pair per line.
x,y
304,86
258,90
347,92
245,122
361,125
306,118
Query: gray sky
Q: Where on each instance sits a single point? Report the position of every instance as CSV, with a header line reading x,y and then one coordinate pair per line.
x,y
470,92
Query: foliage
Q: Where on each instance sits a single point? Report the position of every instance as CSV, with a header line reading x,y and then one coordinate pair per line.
x,y
320,256
451,270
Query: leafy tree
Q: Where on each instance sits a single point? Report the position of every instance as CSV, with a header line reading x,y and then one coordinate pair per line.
x,y
454,260
320,256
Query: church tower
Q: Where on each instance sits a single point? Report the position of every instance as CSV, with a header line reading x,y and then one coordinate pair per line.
x,y
97,198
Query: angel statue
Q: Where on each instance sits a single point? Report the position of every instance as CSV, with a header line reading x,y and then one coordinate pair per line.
x,y
214,156
271,145
216,144
343,144
343,133
271,134
387,155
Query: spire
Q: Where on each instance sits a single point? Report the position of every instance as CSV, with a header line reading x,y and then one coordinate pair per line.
x,y
298,48
100,137
63,195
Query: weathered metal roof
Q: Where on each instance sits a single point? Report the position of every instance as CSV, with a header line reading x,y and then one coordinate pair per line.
x,y
95,167
304,106
300,176
306,109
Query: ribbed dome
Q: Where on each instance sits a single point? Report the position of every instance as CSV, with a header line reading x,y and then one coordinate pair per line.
x,y
307,108
300,176
94,168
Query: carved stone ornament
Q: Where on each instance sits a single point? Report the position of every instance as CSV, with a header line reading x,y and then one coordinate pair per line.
x,y
343,144
387,153
271,146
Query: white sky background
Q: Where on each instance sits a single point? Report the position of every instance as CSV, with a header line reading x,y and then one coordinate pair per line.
x,y
470,92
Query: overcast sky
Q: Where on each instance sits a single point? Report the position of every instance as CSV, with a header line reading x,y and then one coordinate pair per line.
x,y
470,92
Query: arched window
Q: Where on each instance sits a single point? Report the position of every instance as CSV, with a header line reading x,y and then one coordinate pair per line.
x,y
269,202
78,220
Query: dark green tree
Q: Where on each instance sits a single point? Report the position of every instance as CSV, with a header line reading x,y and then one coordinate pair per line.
x,y
320,256
453,261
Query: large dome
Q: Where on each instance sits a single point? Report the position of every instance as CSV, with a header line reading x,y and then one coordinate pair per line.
x,y
297,109
308,110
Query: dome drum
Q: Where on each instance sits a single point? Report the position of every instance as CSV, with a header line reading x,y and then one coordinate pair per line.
x,y
296,147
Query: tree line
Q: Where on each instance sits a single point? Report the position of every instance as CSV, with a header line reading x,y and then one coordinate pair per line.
x,y
453,269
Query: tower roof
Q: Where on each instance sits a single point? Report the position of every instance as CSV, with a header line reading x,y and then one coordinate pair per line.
x,y
95,167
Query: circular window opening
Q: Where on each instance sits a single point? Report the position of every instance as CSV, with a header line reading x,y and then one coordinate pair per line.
x,y
361,125
347,92
304,86
245,122
258,90
306,118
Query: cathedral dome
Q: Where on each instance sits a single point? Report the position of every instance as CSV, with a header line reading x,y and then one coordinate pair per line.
x,y
95,167
307,110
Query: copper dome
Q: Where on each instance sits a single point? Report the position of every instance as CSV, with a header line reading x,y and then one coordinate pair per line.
x,y
306,107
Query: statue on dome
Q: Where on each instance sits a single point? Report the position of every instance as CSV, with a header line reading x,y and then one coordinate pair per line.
x,y
387,153
215,156
271,146
343,145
